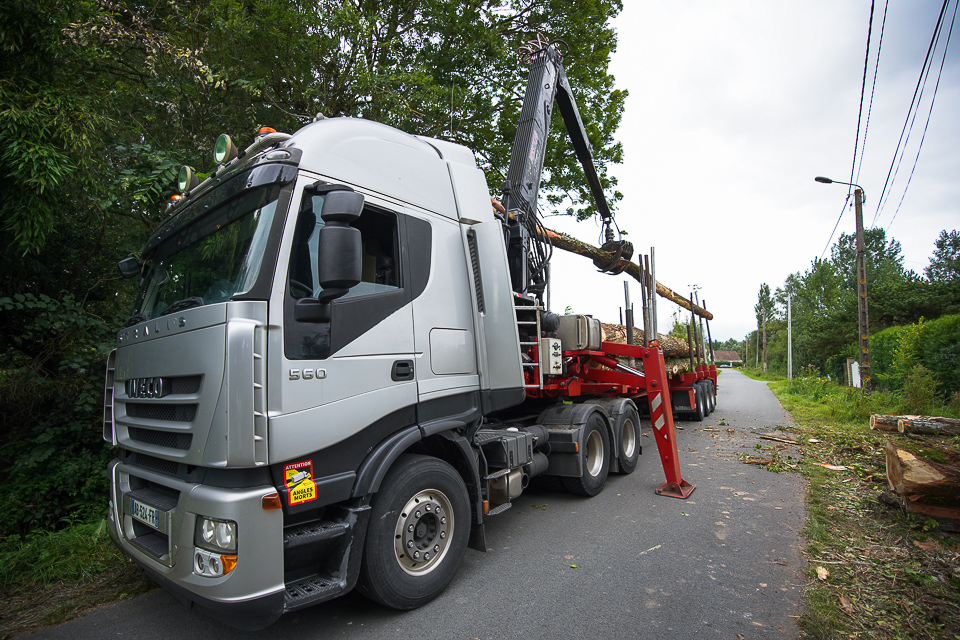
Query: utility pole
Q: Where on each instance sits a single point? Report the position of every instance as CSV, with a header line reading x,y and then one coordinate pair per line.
x,y
863,323
764,341
789,341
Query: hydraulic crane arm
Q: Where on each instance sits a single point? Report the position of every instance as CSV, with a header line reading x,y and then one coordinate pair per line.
x,y
528,245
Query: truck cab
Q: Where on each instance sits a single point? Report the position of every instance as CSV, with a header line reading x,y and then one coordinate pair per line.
x,y
224,396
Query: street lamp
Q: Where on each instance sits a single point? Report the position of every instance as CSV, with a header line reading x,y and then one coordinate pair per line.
x,y
863,324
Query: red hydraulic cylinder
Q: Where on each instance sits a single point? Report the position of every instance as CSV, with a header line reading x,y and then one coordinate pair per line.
x,y
661,416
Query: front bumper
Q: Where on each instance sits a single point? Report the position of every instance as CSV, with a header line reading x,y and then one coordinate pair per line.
x,y
250,596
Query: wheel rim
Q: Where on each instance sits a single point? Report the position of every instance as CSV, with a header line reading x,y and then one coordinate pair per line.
x,y
628,442
423,532
594,457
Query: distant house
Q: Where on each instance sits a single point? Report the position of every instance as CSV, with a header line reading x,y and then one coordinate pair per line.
x,y
727,356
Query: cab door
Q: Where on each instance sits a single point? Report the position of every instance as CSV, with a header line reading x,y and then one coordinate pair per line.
x,y
338,388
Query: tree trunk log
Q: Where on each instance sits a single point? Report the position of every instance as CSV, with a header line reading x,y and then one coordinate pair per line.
x,y
913,478
883,422
573,245
929,425
947,517
672,347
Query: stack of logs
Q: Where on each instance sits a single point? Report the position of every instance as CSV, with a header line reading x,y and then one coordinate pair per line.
x,y
676,352
927,478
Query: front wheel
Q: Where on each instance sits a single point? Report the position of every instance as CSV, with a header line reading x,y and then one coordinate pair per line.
x,y
419,528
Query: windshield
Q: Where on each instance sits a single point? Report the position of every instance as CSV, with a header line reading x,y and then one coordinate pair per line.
x,y
212,259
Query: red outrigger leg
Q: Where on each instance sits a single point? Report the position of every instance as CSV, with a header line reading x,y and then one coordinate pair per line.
x,y
661,416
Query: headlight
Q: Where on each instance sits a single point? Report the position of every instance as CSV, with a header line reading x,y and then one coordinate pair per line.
x,y
216,535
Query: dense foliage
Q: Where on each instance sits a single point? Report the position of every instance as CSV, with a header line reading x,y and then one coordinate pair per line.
x,y
913,319
101,102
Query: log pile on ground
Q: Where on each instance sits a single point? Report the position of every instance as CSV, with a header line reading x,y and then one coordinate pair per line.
x,y
929,425
882,422
919,425
927,481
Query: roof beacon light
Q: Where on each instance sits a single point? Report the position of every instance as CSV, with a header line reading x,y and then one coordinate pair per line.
x,y
186,179
225,150
265,130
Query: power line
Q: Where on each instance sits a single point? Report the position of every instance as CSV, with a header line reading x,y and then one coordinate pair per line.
x,y
873,89
946,46
835,226
863,89
913,104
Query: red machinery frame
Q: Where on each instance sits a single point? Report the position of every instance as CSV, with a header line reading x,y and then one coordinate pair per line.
x,y
598,373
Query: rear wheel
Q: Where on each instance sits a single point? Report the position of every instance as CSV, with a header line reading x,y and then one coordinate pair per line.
x,y
419,527
629,430
595,458
699,412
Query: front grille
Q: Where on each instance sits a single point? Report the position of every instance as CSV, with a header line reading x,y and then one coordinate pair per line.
x,y
157,464
168,439
165,412
185,384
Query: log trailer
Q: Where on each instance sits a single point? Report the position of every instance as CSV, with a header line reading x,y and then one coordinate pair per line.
x,y
338,368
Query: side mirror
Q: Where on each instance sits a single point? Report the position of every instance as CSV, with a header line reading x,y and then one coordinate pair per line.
x,y
129,267
340,255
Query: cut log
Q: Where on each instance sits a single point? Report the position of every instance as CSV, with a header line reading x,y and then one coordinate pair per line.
x,y
912,477
947,517
567,243
883,422
672,347
929,425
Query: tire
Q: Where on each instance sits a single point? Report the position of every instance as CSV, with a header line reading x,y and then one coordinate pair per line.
x,y
404,519
711,395
595,458
705,394
700,411
628,453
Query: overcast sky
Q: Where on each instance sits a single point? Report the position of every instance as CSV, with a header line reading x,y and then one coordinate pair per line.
x,y
734,108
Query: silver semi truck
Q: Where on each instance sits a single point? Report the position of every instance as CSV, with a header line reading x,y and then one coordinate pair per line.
x,y
338,368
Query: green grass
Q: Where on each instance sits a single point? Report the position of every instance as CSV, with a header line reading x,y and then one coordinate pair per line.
x,y
50,577
891,574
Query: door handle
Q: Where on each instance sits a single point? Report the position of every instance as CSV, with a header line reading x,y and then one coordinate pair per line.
x,y
402,370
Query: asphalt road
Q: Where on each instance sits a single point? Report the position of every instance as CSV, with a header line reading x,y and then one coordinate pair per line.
x,y
624,564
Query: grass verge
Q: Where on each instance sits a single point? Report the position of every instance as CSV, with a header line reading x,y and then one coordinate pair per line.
x,y
875,571
51,577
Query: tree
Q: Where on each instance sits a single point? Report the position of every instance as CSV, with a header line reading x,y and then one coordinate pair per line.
x,y
945,262
764,310
101,102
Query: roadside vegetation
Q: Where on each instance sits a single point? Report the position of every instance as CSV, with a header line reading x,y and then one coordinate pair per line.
x,y
874,571
49,577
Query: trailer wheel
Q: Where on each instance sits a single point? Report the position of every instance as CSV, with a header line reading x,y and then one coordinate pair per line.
x,y
705,393
419,527
712,392
629,430
595,456
700,412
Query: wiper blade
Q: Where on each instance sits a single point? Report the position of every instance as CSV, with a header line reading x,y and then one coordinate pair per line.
x,y
180,305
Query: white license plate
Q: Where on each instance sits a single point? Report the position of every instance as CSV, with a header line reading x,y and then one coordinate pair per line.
x,y
145,513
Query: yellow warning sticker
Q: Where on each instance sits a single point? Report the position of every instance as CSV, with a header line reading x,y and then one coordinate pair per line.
x,y
298,477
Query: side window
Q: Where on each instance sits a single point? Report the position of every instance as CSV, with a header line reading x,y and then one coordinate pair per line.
x,y
379,293
380,245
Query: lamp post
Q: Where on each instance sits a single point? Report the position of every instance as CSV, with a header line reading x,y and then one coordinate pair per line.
x,y
863,324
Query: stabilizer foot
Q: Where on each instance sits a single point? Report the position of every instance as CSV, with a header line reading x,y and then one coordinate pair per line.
x,y
674,490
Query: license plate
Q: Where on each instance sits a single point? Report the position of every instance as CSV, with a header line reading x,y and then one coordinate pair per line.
x,y
145,513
